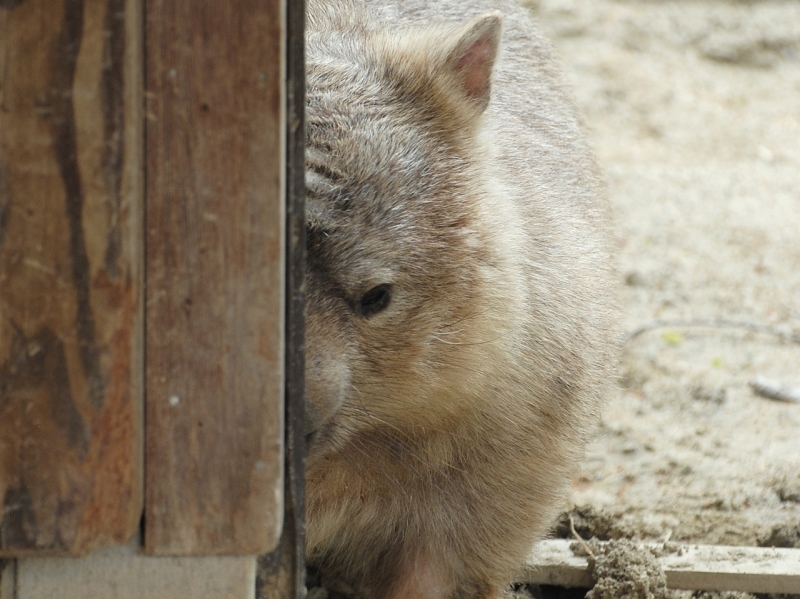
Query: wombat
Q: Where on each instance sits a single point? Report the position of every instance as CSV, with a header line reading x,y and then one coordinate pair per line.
x,y
460,319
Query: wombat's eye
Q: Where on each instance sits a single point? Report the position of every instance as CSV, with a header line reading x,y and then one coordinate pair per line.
x,y
375,300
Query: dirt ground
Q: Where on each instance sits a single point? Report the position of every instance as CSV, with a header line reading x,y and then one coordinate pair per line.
x,y
694,111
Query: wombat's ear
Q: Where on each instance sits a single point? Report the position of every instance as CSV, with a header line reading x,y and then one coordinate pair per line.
x,y
448,69
471,55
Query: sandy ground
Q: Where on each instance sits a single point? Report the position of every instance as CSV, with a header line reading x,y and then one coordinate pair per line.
x,y
694,112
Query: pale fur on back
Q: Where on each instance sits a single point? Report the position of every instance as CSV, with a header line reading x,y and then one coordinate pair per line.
x,y
449,425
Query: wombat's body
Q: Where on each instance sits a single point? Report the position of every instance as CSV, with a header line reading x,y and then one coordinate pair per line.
x,y
460,327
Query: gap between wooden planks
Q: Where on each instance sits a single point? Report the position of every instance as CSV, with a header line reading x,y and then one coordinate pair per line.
x,y
690,567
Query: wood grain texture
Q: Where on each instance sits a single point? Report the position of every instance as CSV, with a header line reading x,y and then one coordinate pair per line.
x,y
282,573
215,221
71,326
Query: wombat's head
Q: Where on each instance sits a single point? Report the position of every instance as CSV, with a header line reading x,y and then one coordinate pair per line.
x,y
398,261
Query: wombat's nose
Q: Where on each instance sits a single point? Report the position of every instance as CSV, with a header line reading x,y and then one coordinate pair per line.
x,y
328,378
314,419
327,381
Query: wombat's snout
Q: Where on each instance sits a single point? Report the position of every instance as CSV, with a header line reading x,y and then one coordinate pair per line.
x,y
327,379
327,372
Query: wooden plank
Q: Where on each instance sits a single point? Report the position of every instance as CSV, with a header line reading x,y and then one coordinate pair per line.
x,y
690,567
123,573
215,261
747,569
70,274
282,573
552,562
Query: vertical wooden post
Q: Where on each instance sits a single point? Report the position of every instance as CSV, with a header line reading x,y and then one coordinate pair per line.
x,y
70,270
281,574
215,263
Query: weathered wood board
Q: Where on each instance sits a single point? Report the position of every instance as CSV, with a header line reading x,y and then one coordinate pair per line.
x,y
690,567
70,274
215,261
282,573
123,573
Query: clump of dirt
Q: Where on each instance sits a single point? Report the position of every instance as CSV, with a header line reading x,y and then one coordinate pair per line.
x,y
591,523
624,569
782,536
789,494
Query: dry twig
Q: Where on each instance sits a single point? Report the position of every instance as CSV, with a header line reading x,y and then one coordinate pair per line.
x,y
579,538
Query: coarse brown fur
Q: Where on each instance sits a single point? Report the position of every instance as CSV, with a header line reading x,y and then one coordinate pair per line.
x,y
446,171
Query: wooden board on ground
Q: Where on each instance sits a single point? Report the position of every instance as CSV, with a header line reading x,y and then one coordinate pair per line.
x,y
123,573
690,567
215,221
70,274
